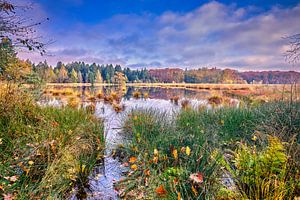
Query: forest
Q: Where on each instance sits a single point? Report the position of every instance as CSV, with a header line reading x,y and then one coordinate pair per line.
x,y
80,72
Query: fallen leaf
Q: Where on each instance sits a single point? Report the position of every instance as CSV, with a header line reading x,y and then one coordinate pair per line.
x,y
147,172
155,152
132,159
26,170
175,154
161,191
175,181
188,150
178,196
146,181
7,196
83,168
197,177
194,190
134,167
155,159
182,149
13,178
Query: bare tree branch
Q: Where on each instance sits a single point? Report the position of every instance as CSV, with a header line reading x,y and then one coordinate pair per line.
x,y
293,54
19,29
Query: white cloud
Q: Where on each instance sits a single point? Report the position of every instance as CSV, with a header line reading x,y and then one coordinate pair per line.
x,y
212,35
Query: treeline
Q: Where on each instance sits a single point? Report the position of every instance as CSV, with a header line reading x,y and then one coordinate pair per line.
x,y
271,77
213,75
80,72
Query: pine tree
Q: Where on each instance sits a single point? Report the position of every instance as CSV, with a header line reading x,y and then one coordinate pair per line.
x,y
107,78
91,78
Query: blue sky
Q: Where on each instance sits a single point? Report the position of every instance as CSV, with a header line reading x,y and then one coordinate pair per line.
x,y
245,35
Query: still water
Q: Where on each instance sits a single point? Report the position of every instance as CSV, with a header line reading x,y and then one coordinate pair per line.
x,y
103,177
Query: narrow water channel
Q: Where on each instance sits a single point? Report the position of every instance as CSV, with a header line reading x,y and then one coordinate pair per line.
x,y
103,177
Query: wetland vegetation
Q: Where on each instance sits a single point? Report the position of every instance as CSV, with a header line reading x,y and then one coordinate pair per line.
x,y
102,131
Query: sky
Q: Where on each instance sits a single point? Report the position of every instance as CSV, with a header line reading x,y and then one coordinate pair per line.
x,y
242,35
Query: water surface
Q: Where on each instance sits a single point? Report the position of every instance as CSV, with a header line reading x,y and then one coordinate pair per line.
x,y
103,177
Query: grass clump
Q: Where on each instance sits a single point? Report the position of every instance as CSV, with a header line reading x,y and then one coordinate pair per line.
x,y
257,147
45,151
166,163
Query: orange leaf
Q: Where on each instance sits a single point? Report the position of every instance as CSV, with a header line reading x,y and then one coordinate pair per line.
x,y
161,191
178,196
134,167
194,191
175,181
132,159
155,159
147,172
175,153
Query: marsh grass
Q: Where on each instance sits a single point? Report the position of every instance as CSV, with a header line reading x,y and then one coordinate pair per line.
x,y
163,159
164,153
45,151
175,99
215,100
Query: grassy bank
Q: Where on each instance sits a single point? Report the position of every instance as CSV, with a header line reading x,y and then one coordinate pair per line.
x,y
45,152
227,153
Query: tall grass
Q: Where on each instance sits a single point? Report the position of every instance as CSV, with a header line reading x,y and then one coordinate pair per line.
x,y
163,159
45,151
188,157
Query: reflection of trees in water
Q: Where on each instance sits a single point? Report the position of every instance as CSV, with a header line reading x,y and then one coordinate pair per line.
x,y
154,92
128,94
